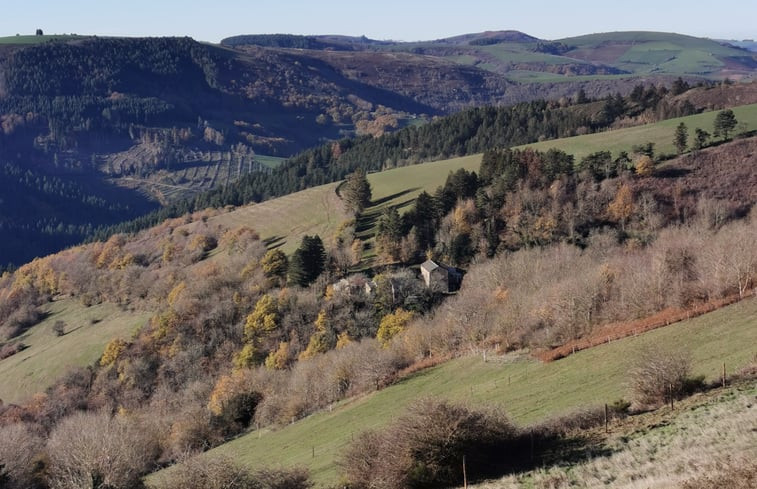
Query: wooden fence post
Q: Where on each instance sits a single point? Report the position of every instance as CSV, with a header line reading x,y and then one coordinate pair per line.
x,y
606,420
723,374
465,475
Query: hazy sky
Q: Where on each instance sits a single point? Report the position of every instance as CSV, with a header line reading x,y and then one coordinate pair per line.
x,y
407,20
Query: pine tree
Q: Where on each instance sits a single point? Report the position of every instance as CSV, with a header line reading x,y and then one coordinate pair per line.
x,y
307,262
356,192
681,138
725,122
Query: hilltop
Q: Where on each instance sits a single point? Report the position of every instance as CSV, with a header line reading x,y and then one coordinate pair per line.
x,y
524,58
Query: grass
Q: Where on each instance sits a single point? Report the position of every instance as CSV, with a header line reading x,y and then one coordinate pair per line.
x,y
400,187
529,390
282,222
269,161
48,356
660,133
708,435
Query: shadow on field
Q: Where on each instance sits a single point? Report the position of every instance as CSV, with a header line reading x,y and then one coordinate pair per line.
x,y
383,200
274,242
367,220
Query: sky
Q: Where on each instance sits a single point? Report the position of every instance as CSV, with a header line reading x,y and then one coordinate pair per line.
x,y
400,20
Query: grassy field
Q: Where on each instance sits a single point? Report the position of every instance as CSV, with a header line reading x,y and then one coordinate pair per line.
x,y
654,450
48,356
660,133
527,389
284,221
399,187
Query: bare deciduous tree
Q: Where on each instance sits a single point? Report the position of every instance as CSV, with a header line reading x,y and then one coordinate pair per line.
x,y
91,450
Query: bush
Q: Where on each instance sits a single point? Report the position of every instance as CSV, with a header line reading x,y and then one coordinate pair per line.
x,y
11,349
425,448
20,459
59,328
97,450
223,473
660,375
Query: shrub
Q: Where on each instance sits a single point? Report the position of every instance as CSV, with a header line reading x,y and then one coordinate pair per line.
x,y
660,374
10,349
97,450
19,456
224,473
59,328
425,448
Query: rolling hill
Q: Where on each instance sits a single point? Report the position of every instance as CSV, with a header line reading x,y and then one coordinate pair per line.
x,y
524,58
89,125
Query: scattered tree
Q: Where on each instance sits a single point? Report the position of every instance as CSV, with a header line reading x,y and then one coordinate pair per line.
x,y
700,138
393,324
59,328
97,450
356,192
681,138
275,264
660,375
725,123
644,166
308,261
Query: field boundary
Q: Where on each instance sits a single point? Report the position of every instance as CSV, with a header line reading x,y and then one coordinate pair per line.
x,y
620,330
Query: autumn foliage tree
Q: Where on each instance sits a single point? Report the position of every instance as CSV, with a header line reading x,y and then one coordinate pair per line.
x,y
621,208
392,324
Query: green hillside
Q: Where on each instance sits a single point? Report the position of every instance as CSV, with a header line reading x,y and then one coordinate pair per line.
x,y
527,389
48,356
657,52
285,220
660,133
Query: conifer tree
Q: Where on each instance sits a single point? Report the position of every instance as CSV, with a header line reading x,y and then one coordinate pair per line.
x,y
357,192
307,262
681,138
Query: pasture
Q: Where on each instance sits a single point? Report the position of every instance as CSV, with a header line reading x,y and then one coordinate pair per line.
x,y
47,356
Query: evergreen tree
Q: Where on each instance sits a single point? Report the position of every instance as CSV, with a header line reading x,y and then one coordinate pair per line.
x,y
357,192
725,122
681,138
389,234
700,138
307,262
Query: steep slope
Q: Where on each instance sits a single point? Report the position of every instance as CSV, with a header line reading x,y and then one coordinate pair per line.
x,y
530,391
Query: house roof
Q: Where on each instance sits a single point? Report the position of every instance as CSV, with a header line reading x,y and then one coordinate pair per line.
x,y
429,265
